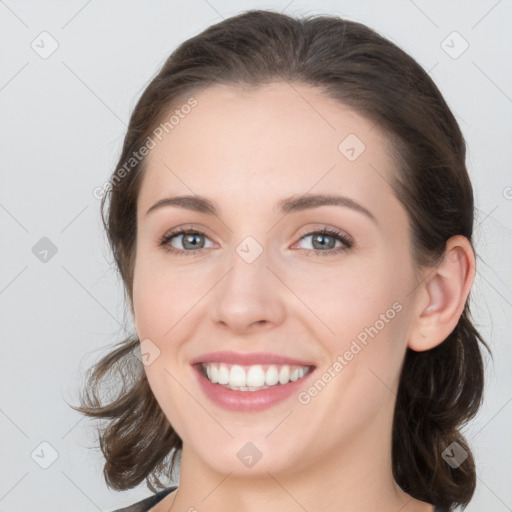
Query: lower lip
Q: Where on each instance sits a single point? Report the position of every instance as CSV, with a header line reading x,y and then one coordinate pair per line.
x,y
248,401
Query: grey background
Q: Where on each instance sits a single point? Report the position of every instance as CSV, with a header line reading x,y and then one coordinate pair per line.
x,y
63,119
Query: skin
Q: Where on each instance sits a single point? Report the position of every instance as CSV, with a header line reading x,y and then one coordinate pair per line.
x,y
246,149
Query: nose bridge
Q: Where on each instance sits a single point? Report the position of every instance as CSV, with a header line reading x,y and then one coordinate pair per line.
x,y
249,292
248,267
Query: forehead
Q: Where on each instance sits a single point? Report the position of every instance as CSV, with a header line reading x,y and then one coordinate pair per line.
x,y
254,143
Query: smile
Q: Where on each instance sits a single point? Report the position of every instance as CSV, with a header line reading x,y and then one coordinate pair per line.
x,y
252,388
252,378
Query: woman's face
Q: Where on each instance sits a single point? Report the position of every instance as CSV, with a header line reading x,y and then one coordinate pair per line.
x,y
260,277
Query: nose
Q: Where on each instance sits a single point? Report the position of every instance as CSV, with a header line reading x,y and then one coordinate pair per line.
x,y
248,295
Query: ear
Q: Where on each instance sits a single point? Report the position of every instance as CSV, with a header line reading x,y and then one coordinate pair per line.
x,y
442,295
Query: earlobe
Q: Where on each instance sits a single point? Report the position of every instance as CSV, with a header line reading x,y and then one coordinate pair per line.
x,y
442,295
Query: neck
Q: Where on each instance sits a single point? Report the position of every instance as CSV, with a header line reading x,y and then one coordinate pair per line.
x,y
355,476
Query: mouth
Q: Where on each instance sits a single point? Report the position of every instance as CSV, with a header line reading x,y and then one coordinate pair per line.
x,y
251,387
254,377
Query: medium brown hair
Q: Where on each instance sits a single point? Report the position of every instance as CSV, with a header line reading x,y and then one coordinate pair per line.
x,y
439,389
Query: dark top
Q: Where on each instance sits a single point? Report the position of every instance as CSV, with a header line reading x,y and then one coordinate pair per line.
x,y
151,501
146,504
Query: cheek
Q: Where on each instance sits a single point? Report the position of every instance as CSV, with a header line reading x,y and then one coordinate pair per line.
x,y
349,298
157,312
156,300
160,302
366,313
167,298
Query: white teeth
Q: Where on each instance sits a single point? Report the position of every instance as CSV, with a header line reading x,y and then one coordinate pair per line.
x,y
284,375
253,378
272,376
237,376
223,375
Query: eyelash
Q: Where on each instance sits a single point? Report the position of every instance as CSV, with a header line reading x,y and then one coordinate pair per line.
x,y
347,242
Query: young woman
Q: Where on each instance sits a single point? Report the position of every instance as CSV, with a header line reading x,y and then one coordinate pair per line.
x,y
291,216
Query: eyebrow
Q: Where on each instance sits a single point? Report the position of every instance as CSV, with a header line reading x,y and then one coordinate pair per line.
x,y
289,205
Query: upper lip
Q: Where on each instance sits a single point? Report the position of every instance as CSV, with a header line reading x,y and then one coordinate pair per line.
x,y
248,359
